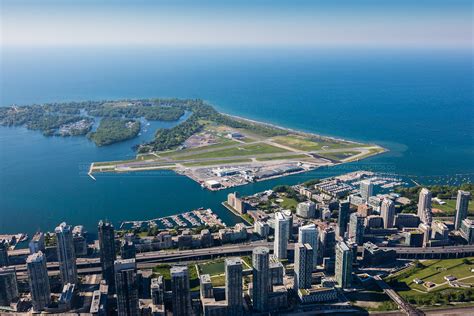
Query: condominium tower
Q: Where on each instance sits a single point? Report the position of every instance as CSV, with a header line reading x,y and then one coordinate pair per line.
x,y
261,282
309,234
181,297
462,204
66,254
282,228
38,280
126,287
107,252
233,286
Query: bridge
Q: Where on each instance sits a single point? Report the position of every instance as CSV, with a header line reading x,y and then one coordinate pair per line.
x,y
402,304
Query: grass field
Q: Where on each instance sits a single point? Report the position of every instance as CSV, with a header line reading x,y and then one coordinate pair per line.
x,y
222,143
216,162
434,271
218,280
244,150
288,203
214,267
339,155
450,207
164,270
286,157
297,142
307,144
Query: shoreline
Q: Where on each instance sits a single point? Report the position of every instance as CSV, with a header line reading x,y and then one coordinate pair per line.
x,y
292,130
321,151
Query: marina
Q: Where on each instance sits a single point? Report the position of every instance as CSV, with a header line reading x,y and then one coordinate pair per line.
x,y
196,218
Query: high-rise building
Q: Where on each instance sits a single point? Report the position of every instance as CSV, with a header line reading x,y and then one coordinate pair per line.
x,y
38,280
387,210
37,243
126,287
288,215
306,209
66,254
303,266
282,228
343,270
158,290
343,217
261,281
8,286
356,228
366,189
181,297
128,250
233,286
309,234
3,253
462,204
424,206
107,252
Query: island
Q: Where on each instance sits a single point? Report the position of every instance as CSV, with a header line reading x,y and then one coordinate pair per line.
x,y
112,130
77,118
216,150
220,151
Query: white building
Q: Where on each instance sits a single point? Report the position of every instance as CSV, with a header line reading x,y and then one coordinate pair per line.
x,y
462,204
282,228
424,206
309,234
306,209
387,210
366,189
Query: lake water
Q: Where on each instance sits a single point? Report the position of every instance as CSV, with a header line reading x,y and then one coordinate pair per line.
x,y
419,104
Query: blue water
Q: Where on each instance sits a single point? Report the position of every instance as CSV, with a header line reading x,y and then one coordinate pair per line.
x,y
418,104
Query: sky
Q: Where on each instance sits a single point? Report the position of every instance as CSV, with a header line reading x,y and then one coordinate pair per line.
x,y
379,23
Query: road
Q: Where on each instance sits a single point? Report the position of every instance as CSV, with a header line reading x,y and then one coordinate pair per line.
x,y
249,246
150,259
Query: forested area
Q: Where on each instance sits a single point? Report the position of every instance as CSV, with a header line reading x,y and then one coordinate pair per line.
x,y
112,130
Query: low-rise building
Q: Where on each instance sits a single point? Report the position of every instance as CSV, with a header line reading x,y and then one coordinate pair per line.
x,y
356,200
306,209
237,233
206,238
413,238
261,228
185,240
373,255
467,230
317,294
439,231
403,220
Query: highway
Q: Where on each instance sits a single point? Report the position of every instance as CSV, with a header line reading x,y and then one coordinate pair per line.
x,y
176,255
150,259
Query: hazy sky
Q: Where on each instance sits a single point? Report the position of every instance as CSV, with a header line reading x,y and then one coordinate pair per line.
x,y
380,23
